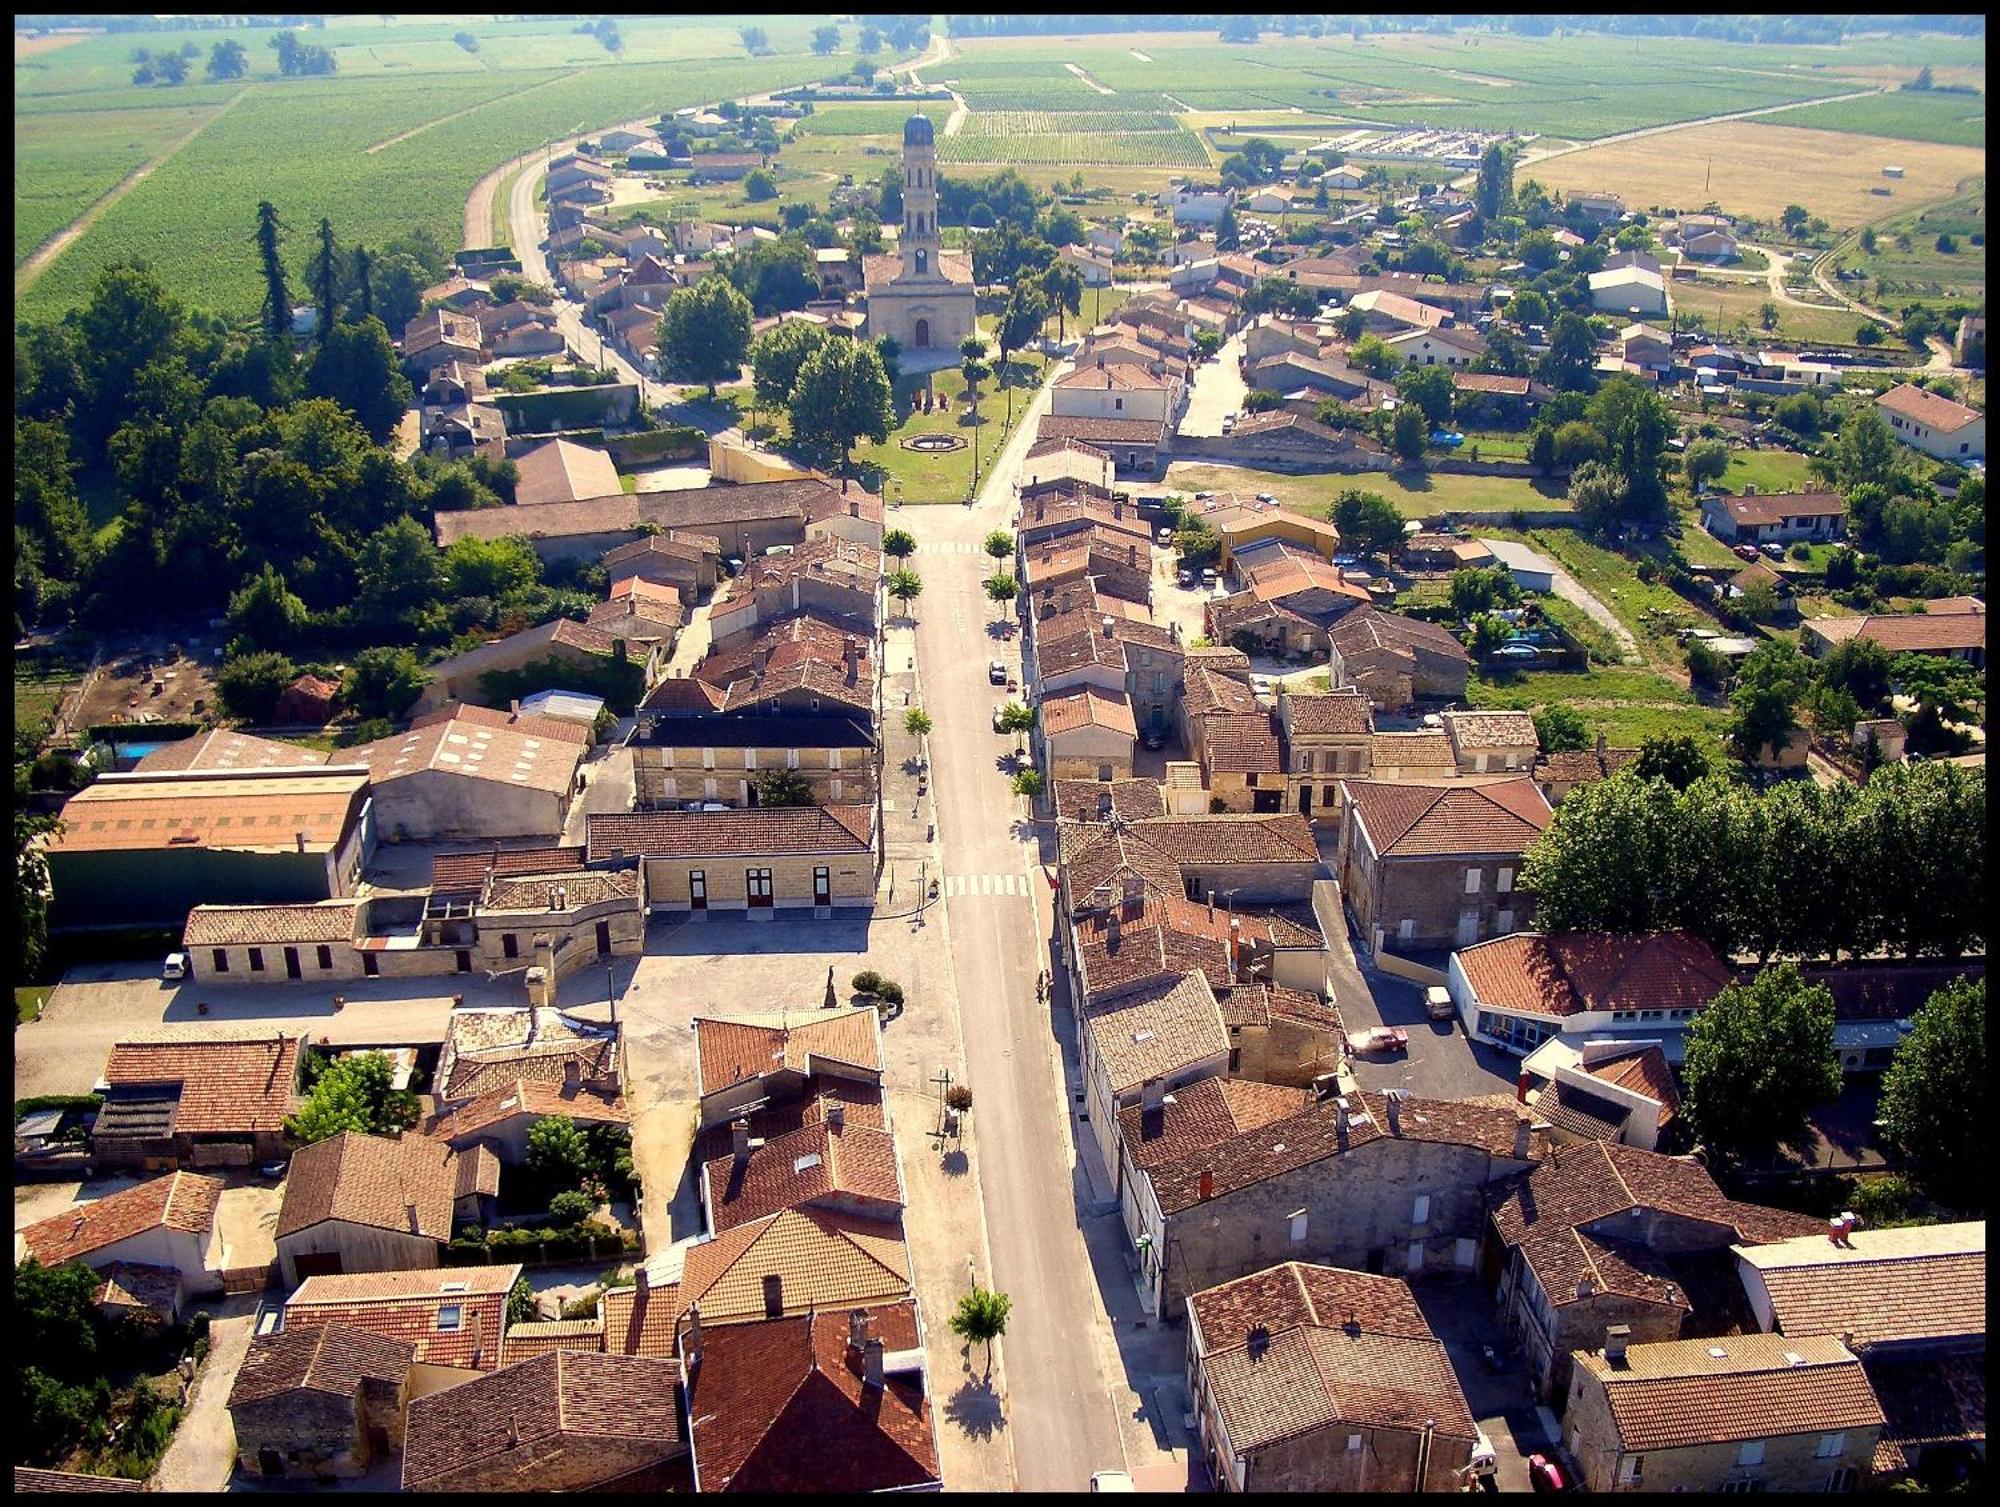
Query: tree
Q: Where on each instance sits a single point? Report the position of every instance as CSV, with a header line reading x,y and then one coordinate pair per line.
x,y
1635,423
353,1093
1933,1105
1767,315
1795,219
1430,388
783,787
361,305
1678,758
1528,307
31,892
248,685
999,544
520,1303
323,279
227,60
1228,234
899,544
1029,783
825,39
1944,690
557,1150
1021,320
1598,494
1542,449
383,681
981,1318
356,366
869,42
778,353
1061,283
1280,295
1493,193
1570,365
917,722
1002,588
759,185
1865,452
1757,1061
1367,522
1016,719
905,585
842,395
264,614
1768,686
277,297
1705,461
1561,729
1370,355
1409,433
705,332
1474,591
756,41
398,574
958,1099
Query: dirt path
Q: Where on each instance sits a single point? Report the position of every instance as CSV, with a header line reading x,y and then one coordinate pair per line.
x,y
1571,590
937,53
203,1452
45,255
1087,80
955,122
445,120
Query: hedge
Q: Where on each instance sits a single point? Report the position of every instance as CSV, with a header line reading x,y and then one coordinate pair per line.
x,y
673,442
57,1101
567,408
541,1245
148,732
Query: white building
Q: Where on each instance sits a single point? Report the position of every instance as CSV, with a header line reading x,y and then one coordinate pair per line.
x,y
1629,290
1197,204
1933,424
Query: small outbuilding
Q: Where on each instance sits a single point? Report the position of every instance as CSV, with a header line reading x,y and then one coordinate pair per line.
x,y
319,1404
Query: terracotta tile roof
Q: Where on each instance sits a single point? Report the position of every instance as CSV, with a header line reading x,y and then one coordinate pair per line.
x,y
1312,1135
1910,632
1370,628
488,1049
1087,706
780,1406
1212,690
826,1098
1927,1400
1297,1348
1203,1114
477,1171
406,1305
822,1161
454,872
371,1180
1888,991
134,1286
233,925
1573,972
1148,947
1240,743
1413,751
504,755
538,1421
730,834
1341,712
1084,800
535,893
1043,447
690,548
526,1341
1123,377
562,471
184,1201
1927,408
1139,432
1163,1026
1564,1213
333,1358
1582,766
1095,854
26,1478
1581,1112
1423,821
1232,837
228,1085
1493,382
474,1117
1679,1394
222,749
1882,1287
1076,650
729,1052
1490,729
642,1323
1643,1070
253,811
1776,507
823,1260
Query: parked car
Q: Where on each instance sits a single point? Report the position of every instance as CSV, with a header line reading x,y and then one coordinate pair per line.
x,y
176,966
1379,1039
1185,577
1746,551
1546,1475
1449,439
1111,1480
1265,497
1208,577
1152,739
1229,423
1165,537
1437,1003
1515,653
997,672
1773,551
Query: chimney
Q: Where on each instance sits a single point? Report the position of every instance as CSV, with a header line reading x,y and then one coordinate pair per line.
x,y
858,1325
774,1295
1586,1287
836,1116
871,1364
302,841
1211,910
641,1283
852,657
513,1431
1394,1099
739,1139
1522,1081
1847,1340
1749,489
762,658
1522,1126
1109,626
1340,1115
1153,1094
1111,928
691,1341
1207,1188
416,1225
572,1072
1616,1338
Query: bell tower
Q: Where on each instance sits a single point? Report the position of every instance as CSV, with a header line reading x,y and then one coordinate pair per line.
x,y
919,239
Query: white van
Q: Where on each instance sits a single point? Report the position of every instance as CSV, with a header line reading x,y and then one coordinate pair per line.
x,y
176,967
1437,1003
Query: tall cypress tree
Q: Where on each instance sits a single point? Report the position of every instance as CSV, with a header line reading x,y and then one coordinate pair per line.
x,y
324,276
364,290
277,297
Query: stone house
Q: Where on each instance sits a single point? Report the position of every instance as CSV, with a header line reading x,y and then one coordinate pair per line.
x,y
1048,460
559,640
502,1118
1370,1181
1242,760
1248,859
1447,347
1739,1413
689,563
1098,638
800,859
364,1203
1136,446
1139,1042
1086,733
679,757
835,578
742,1064
464,778
1396,661
1488,742
218,1099
1415,861
319,1404
1324,736
454,1317
1414,758
1604,1234
1275,1368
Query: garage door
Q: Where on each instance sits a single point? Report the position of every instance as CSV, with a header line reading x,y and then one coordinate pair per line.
x,y
317,1264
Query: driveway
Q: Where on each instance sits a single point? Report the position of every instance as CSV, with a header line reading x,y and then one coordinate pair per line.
x,y
203,1453
1571,590
1218,388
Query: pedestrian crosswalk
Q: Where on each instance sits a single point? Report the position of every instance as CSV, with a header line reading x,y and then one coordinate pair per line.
x,y
985,884
951,547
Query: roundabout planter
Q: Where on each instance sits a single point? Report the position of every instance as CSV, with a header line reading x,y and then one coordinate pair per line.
x,y
933,444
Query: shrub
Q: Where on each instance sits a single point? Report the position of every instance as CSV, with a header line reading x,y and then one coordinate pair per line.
x,y
868,981
571,1207
891,993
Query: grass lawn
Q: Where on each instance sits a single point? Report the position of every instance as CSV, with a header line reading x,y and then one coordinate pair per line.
x,y
1697,543
36,698
1724,307
1494,446
1767,471
1626,705
1651,611
1416,494
30,1002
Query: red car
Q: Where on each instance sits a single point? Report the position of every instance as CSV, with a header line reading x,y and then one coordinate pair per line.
x,y
1746,552
1379,1039
1545,1474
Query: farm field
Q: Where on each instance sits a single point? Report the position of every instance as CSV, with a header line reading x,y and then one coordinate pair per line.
x,y
1058,139
1755,168
1417,496
1719,306
63,163
1954,119
865,120
1923,274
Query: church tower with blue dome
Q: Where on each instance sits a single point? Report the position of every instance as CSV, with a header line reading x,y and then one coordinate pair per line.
x,y
921,295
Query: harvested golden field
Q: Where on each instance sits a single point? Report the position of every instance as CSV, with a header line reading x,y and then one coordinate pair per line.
x,y
27,47
1758,169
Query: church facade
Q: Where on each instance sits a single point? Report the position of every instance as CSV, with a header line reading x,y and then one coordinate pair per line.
x,y
920,295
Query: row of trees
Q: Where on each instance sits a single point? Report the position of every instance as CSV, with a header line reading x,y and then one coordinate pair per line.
x,y
1806,871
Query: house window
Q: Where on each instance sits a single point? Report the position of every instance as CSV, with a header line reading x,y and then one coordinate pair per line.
x,y
833,758
1354,1444
464,958
1752,1452
749,758
1830,1445
1298,1223
1235,1056
1504,885
1118,404
1406,930
708,758
221,960
1503,922
370,964
256,960
923,260
451,1318
1472,881
1420,1209
325,956
1632,1469
1305,763
510,945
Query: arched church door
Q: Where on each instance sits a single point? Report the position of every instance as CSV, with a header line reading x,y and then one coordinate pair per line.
x,y
923,334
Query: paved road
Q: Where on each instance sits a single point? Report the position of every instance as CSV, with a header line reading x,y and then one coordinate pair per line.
x,y
1059,1408
1218,389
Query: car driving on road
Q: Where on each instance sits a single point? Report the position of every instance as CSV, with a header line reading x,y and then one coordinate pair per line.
x,y
996,671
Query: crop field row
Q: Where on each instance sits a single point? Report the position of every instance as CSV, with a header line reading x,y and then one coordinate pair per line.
x,y
867,120
64,164
1923,274
1951,119
1064,139
193,217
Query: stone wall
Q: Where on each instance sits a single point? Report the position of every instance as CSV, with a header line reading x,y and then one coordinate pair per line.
x,y
302,1434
